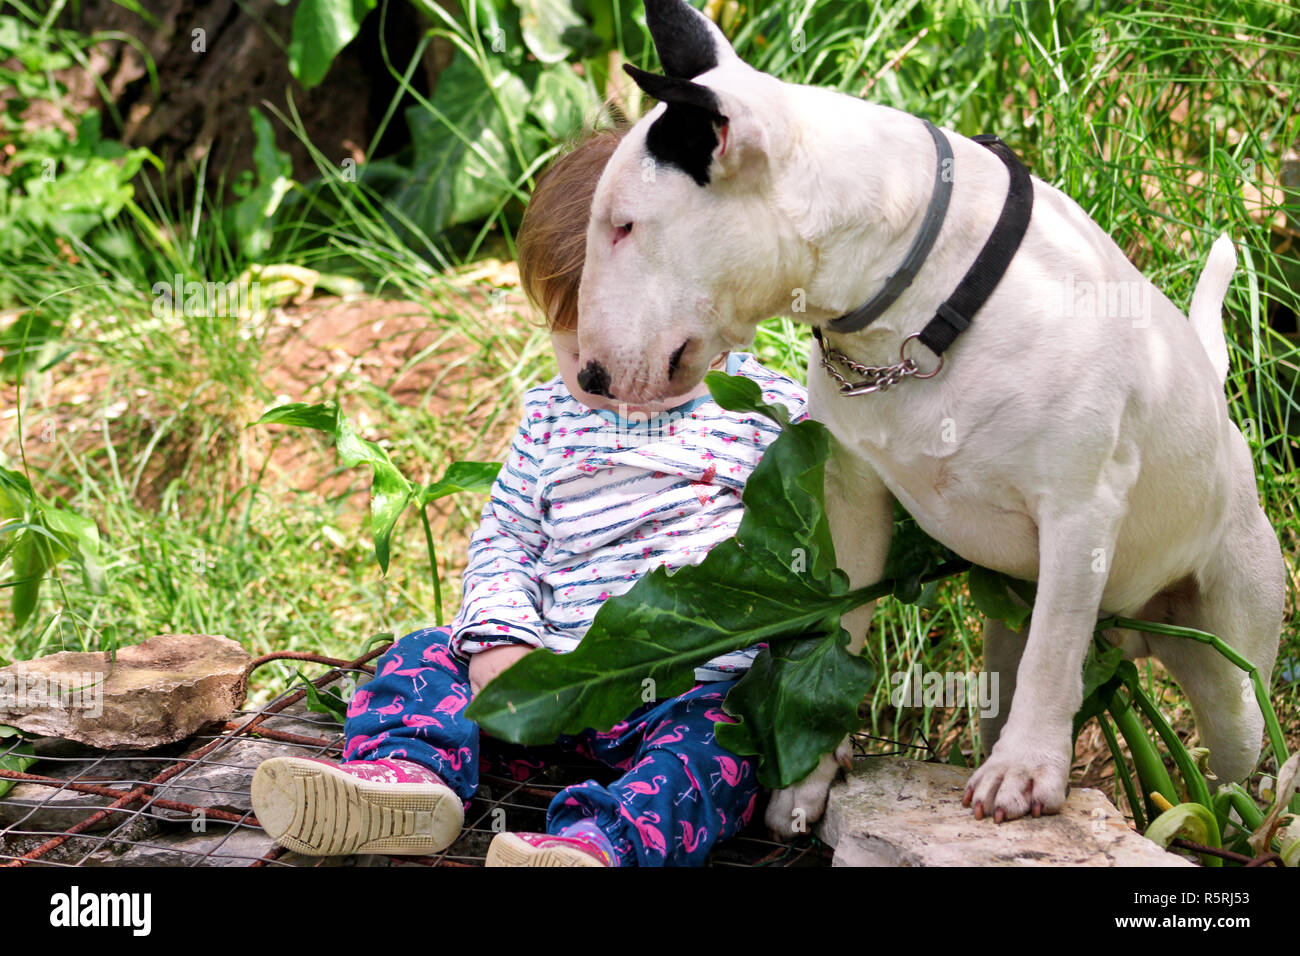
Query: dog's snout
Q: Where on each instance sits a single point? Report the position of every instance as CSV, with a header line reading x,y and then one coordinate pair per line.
x,y
675,359
594,380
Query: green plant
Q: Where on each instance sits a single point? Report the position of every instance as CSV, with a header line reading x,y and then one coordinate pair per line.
x,y
390,491
36,535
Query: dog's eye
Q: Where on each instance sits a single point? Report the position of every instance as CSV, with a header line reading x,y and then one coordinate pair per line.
x,y
622,232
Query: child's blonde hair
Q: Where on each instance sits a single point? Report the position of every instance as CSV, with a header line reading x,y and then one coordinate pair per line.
x,y
552,239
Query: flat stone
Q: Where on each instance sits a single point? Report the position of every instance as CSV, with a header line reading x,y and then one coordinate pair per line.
x,y
890,811
154,693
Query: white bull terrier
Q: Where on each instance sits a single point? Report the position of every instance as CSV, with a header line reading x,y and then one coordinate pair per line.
x,y
1068,439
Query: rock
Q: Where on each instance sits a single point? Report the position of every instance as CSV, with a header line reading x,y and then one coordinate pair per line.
x,y
891,811
155,693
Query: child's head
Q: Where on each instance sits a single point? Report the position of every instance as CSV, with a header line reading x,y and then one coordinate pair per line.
x,y
552,245
552,240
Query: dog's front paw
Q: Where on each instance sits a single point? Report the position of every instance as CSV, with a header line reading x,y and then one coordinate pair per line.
x,y
792,812
1018,781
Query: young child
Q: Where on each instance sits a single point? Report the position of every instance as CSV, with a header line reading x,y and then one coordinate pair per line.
x,y
592,495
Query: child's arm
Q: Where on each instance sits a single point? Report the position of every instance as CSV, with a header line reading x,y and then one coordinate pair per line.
x,y
502,595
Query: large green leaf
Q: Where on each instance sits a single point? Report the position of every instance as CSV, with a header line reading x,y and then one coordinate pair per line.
x,y
390,492
797,701
462,476
561,101
320,29
991,594
913,555
251,217
544,24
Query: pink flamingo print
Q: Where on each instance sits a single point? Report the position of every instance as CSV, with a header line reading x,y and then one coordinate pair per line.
x,y
644,789
363,744
420,720
691,793
391,666
392,709
676,735
691,837
360,701
730,770
439,656
650,834
719,716
616,731
454,702
455,760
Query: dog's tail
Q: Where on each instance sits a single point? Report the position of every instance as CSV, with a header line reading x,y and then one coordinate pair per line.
x,y
1206,313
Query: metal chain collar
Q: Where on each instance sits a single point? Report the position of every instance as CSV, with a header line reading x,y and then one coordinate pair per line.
x,y
876,378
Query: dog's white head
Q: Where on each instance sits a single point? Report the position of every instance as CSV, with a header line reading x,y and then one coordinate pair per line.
x,y
683,229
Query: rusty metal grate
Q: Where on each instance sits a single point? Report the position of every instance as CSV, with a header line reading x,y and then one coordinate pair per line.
x,y
188,804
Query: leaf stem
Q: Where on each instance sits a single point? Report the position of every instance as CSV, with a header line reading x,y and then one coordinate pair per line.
x,y
1121,770
433,565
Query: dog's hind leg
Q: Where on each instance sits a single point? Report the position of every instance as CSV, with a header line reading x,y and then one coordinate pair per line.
x,y
1239,598
861,515
1003,649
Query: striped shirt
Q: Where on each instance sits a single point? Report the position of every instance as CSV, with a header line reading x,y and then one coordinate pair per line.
x,y
588,501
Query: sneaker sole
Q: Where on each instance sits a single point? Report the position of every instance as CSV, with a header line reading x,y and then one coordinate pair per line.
x,y
507,849
318,810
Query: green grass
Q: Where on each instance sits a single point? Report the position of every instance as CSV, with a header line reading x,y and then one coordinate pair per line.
x,y
1160,119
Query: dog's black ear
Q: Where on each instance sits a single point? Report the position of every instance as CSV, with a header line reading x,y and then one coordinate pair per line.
x,y
688,133
688,42
671,89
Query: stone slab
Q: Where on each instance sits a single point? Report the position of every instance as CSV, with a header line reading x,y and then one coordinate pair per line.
x,y
890,811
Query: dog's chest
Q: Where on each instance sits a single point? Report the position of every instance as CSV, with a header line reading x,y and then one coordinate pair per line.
x,y
958,492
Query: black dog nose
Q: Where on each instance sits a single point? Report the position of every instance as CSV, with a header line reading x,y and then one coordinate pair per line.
x,y
594,380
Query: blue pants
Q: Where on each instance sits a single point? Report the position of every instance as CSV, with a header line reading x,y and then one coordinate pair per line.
x,y
680,792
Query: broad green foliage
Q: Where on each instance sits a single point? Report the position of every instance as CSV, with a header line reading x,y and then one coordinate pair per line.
x,y
994,595
327,701
320,29
250,218
463,165
36,535
66,185
472,476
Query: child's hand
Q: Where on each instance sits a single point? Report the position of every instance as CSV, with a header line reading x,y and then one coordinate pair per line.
x,y
486,665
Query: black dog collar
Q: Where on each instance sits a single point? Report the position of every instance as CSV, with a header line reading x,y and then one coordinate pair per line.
x,y
954,315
